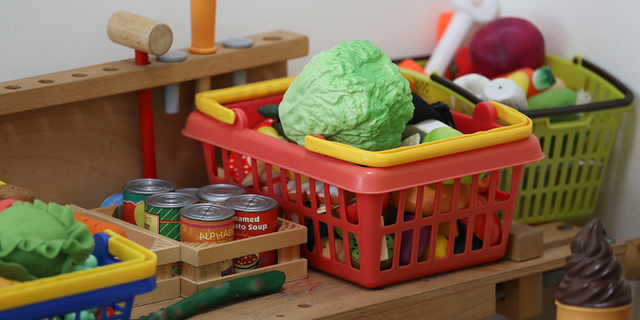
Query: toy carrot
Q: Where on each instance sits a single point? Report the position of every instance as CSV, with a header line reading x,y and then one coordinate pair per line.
x,y
96,226
264,283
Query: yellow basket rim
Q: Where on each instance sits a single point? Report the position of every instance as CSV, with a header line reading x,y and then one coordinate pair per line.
x,y
137,263
519,127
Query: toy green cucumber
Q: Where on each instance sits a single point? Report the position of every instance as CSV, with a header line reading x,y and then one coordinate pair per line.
x,y
264,283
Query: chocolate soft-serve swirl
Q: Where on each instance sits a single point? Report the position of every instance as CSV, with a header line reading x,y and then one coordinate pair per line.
x,y
594,276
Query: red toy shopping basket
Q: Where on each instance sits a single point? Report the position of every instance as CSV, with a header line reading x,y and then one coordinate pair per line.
x,y
368,238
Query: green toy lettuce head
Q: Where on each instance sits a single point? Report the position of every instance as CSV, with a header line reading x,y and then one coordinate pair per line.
x,y
352,94
43,239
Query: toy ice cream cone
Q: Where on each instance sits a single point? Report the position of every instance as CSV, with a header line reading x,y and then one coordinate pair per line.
x,y
566,312
593,287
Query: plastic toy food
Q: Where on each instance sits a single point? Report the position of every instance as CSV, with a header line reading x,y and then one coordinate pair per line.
x,y
473,82
351,94
504,45
264,283
326,250
593,286
9,191
441,248
507,92
446,199
96,226
407,239
532,81
44,240
355,252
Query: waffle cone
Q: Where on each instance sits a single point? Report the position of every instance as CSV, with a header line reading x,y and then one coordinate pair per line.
x,y
566,312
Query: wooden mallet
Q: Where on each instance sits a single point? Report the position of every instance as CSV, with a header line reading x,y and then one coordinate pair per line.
x,y
146,37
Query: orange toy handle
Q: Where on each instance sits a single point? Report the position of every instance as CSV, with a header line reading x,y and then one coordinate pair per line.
x,y
203,26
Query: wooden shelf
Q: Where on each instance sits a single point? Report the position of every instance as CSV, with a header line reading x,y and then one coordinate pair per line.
x,y
125,76
463,294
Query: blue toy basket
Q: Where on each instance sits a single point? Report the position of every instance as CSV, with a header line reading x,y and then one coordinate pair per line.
x,y
117,297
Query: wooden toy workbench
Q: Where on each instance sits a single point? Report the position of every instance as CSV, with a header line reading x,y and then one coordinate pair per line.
x,y
507,287
73,137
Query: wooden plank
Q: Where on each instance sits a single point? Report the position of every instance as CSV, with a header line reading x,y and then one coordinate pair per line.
x,y
525,242
197,274
164,272
200,254
557,233
293,270
166,251
523,299
165,289
478,303
106,210
84,151
125,76
331,297
632,261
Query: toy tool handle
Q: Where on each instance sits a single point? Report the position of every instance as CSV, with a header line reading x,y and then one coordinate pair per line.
x,y
203,26
464,17
449,43
139,33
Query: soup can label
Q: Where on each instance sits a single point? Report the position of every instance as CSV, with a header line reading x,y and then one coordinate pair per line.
x,y
162,215
209,223
255,215
133,194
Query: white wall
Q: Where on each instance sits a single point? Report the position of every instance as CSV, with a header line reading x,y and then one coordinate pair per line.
x,y
40,37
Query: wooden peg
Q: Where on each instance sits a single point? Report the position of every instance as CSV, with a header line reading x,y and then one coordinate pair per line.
x,y
140,33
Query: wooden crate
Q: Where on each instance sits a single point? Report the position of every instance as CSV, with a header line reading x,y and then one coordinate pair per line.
x,y
201,261
167,284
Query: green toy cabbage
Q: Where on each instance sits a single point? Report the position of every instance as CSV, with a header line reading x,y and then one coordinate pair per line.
x,y
45,240
352,94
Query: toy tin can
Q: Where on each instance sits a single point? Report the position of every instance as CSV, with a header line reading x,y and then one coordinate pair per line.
x,y
255,215
190,191
135,191
210,223
218,193
162,213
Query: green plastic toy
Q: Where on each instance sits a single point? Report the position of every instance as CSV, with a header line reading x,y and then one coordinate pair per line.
x,y
42,239
351,94
264,283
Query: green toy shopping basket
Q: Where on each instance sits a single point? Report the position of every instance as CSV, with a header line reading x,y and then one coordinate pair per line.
x,y
565,184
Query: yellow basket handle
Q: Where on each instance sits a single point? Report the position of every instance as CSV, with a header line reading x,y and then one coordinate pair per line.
x,y
210,102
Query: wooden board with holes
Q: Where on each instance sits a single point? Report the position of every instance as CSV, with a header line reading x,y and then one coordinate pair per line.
x,y
463,294
82,152
125,76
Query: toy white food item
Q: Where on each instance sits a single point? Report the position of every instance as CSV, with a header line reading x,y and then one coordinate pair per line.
x,y
507,92
473,82
351,94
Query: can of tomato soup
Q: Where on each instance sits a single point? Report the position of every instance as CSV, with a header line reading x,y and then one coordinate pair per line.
x,y
135,191
218,193
255,215
211,223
